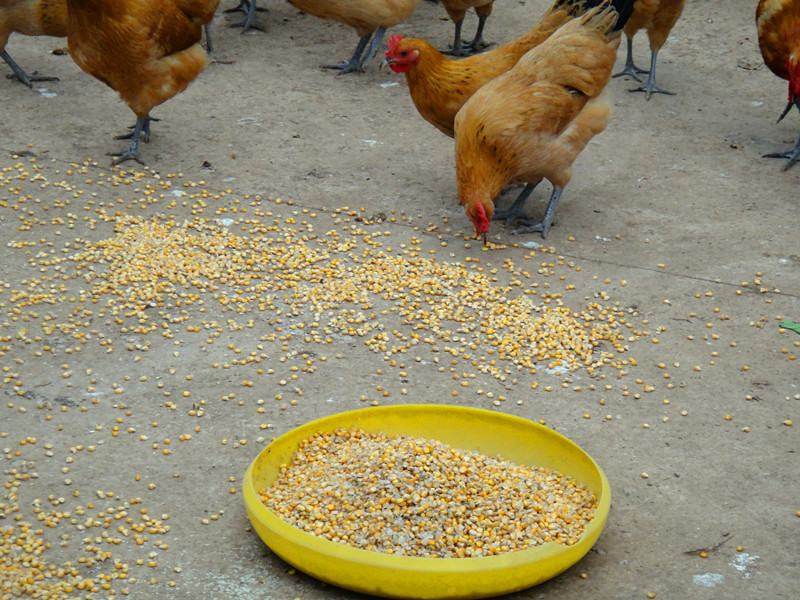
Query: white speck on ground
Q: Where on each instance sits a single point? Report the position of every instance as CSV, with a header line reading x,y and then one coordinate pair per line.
x,y
745,563
709,579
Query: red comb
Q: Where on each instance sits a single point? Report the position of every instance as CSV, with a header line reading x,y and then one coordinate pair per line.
x,y
393,41
483,226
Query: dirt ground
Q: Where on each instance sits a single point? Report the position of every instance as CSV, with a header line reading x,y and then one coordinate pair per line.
x,y
144,367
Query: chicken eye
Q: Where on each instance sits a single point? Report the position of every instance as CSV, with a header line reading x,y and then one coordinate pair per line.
x,y
404,53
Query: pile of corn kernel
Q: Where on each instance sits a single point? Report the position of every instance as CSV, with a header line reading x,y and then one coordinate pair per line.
x,y
149,262
419,497
158,274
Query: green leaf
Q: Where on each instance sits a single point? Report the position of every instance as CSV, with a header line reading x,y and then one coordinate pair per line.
x,y
787,324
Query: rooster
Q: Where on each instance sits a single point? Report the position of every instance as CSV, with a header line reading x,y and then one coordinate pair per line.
x,y
30,17
370,19
532,122
456,10
440,86
147,50
658,17
778,23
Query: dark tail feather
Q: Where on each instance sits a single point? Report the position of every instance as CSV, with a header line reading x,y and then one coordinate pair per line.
x,y
624,9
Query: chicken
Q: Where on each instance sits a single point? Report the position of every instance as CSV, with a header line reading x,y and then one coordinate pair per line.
x,y
440,86
30,17
370,19
456,10
147,50
532,122
658,17
778,23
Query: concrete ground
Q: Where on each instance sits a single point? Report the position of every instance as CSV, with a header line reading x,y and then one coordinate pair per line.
x,y
295,248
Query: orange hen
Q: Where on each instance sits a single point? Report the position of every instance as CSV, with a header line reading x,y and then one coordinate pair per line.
x,y
532,122
147,50
778,23
440,86
658,17
30,17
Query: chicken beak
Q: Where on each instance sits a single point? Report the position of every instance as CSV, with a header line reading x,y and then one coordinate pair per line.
x,y
384,63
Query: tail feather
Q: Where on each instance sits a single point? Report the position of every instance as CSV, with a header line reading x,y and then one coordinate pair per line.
x,y
575,7
624,9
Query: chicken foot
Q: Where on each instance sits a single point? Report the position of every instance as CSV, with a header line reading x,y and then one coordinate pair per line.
x,y
142,126
250,21
20,74
477,44
357,62
515,214
543,226
631,70
793,154
459,48
649,87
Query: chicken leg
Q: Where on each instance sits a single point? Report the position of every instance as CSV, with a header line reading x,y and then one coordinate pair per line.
x,y
649,87
515,214
544,225
142,126
457,49
793,154
21,75
631,70
250,21
357,62
477,44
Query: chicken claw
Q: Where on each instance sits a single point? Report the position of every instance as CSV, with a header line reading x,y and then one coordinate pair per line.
x,y
461,48
544,225
20,75
250,21
649,87
793,154
357,62
132,153
515,215
631,70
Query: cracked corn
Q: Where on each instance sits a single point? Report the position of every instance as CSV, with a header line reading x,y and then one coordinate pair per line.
x,y
420,497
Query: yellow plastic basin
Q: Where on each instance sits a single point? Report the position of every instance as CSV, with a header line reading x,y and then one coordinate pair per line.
x,y
379,574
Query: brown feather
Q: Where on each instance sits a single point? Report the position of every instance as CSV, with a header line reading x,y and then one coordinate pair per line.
x,y
147,50
32,17
365,16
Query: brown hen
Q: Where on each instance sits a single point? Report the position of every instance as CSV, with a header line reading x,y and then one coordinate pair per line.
x,y
147,50
532,122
